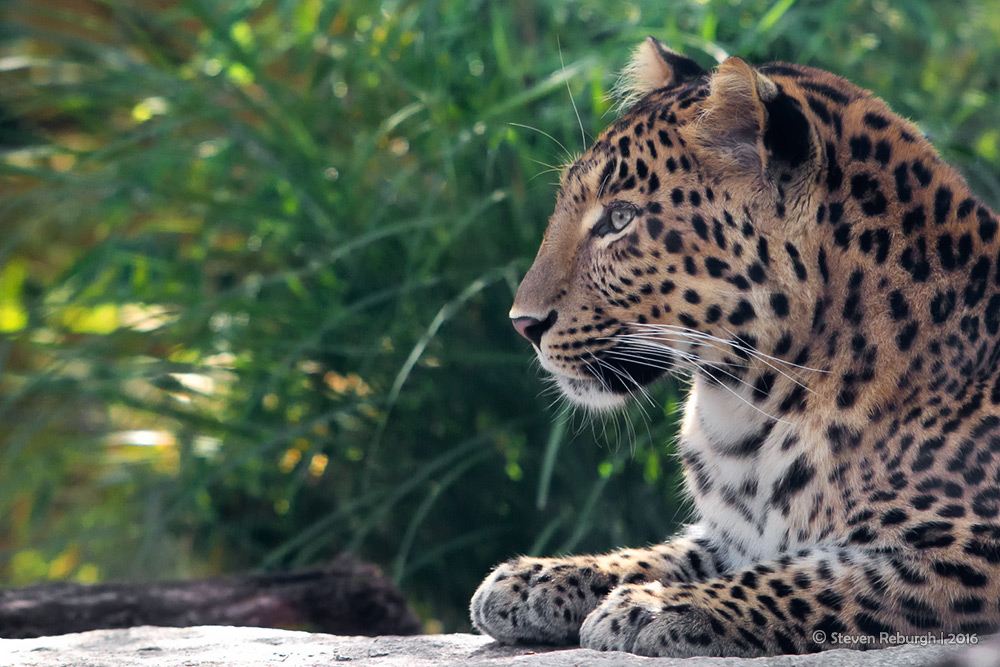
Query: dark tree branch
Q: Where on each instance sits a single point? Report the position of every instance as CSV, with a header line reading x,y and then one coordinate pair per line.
x,y
346,597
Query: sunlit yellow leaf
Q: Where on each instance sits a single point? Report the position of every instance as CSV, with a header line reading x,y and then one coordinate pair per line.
x,y
149,107
317,466
12,317
64,563
306,15
987,145
28,566
101,319
88,573
239,74
289,460
241,33
12,279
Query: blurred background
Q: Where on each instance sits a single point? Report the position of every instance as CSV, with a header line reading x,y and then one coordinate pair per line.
x,y
256,258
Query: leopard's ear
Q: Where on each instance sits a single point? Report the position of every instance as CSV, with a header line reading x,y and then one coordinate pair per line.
x,y
729,134
654,66
749,128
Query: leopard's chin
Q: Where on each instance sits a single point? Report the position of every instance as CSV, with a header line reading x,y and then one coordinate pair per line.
x,y
590,393
616,375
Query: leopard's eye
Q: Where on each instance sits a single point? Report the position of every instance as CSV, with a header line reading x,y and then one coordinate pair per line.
x,y
621,217
616,217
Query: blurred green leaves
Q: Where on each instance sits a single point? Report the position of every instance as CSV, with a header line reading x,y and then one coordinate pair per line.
x,y
257,257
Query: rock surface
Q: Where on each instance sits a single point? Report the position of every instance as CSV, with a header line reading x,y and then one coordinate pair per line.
x,y
210,646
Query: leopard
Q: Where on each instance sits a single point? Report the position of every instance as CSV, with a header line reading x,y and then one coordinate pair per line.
x,y
830,288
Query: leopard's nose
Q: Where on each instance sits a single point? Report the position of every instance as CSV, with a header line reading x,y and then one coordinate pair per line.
x,y
532,328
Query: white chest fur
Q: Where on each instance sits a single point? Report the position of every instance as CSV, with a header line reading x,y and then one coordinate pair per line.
x,y
739,462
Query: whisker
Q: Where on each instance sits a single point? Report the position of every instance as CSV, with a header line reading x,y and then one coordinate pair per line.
x,y
600,190
656,344
753,354
761,411
626,376
734,377
782,361
701,334
549,136
583,135
734,344
728,388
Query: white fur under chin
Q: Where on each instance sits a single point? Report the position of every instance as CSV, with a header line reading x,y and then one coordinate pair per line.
x,y
589,393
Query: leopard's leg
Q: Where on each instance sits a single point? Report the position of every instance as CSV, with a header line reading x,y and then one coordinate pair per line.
x,y
544,600
800,603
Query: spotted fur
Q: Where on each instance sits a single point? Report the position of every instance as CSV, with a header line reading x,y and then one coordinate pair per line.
x,y
833,288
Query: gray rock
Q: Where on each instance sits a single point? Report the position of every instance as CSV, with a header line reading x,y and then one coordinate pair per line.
x,y
208,646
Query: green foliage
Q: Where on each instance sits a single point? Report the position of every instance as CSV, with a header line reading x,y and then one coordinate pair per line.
x,y
257,257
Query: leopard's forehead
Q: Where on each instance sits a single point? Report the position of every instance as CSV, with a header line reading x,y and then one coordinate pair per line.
x,y
652,130
647,130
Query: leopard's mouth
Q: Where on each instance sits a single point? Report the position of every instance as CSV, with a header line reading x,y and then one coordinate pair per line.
x,y
615,374
622,372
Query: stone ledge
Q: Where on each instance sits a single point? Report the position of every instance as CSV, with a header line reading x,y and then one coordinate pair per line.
x,y
210,646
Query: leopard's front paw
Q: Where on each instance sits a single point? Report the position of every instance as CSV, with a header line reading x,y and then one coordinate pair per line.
x,y
539,600
644,619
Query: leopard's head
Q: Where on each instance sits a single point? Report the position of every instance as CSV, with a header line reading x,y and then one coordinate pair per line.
x,y
677,237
